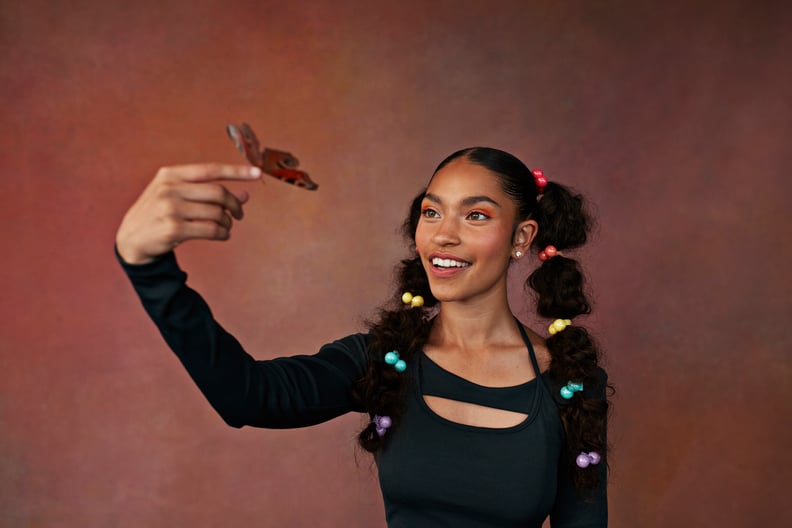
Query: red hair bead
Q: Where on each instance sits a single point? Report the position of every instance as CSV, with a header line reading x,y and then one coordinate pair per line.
x,y
548,253
539,178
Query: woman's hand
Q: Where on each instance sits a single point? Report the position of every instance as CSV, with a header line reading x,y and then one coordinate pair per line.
x,y
182,203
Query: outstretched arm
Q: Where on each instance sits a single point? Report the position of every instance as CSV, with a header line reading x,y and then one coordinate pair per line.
x,y
285,392
189,202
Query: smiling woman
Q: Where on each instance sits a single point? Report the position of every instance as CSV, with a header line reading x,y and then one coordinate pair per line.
x,y
474,419
465,237
483,383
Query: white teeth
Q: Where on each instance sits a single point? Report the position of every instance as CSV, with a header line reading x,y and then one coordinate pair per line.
x,y
448,263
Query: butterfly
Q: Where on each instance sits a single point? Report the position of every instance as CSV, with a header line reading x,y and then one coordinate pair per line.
x,y
276,163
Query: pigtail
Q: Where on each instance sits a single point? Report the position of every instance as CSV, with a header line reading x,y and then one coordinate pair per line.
x,y
559,286
399,328
558,283
563,218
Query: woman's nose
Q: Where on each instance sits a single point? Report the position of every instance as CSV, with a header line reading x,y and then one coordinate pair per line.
x,y
447,232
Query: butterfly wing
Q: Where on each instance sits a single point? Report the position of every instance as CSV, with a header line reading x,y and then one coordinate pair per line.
x,y
246,141
283,165
277,163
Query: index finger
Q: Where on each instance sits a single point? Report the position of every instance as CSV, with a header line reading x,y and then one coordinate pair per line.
x,y
206,172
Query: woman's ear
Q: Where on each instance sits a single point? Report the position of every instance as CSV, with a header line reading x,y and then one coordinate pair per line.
x,y
523,236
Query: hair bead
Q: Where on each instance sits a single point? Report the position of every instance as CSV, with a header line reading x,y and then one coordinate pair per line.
x,y
584,459
392,358
558,326
548,253
381,424
540,180
569,390
414,301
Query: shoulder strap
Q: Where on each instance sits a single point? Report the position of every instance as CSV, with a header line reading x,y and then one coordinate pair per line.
x,y
530,348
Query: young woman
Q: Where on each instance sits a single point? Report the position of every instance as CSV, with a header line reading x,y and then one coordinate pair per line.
x,y
475,420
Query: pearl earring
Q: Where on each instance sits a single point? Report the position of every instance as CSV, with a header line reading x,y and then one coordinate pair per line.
x,y
518,253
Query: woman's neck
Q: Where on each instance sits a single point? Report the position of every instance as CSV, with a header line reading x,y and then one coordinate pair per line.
x,y
474,327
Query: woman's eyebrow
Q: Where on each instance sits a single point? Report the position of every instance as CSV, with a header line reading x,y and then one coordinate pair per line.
x,y
467,202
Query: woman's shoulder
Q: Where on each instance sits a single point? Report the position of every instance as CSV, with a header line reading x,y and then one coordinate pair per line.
x,y
356,343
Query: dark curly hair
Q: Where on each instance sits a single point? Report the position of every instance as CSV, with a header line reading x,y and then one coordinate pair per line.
x,y
558,285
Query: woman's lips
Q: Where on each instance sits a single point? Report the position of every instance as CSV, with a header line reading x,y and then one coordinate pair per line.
x,y
447,265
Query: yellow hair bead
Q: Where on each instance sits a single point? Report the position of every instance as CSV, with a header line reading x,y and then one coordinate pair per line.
x,y
558,325
415,301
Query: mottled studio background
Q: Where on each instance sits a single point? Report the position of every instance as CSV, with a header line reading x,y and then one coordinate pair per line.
x,y
673,117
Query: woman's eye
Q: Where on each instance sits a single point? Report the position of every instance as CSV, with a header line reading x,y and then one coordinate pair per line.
x,y
477,215
429,213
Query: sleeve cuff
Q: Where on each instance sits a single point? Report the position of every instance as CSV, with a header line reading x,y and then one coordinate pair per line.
x,y
162,265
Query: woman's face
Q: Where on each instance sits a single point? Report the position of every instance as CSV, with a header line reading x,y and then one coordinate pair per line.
x,y
465,233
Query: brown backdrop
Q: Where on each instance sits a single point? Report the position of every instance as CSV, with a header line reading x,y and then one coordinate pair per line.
x,y
673,118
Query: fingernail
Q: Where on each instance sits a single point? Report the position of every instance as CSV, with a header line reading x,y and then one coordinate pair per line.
x,y
255,172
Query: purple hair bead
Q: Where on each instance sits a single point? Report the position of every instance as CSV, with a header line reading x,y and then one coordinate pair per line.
x,y
584,459
382,423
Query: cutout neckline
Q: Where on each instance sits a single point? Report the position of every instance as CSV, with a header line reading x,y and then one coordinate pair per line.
x,y
530,392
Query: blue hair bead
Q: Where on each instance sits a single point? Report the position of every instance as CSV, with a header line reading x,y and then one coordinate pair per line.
x,y
392,358
569,390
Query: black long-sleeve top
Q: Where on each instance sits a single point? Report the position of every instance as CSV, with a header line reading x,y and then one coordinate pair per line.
x,y
432,471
